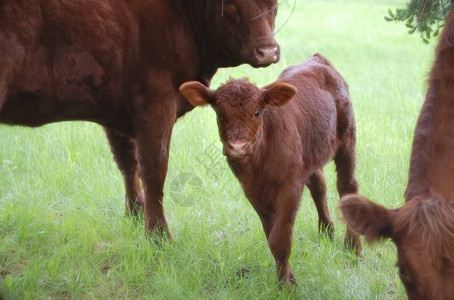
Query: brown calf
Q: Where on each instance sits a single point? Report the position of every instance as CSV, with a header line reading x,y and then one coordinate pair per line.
x,y
423,228
119,63
275,146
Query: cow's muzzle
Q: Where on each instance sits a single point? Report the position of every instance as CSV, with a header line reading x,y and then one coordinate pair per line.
x,y
267,55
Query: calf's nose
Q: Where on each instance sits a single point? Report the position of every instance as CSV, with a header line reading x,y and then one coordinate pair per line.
x,y
267,55
236,149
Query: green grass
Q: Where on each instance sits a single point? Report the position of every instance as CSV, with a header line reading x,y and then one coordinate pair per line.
x,y
63,232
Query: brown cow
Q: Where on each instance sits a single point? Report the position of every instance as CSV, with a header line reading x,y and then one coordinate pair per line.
x,y
119,63
423,228
275,146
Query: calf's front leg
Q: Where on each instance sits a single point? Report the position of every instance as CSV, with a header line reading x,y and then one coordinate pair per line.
x,y
279,230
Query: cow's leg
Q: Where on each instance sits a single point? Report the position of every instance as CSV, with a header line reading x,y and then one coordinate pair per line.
x,y
280,241
345,160
3,79
6,65
2,92
124,152
153,123
267,223
317,186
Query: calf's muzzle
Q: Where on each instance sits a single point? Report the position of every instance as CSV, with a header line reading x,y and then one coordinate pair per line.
x,y
237,149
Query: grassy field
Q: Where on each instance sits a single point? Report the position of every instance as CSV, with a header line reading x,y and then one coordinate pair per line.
x,y
63,233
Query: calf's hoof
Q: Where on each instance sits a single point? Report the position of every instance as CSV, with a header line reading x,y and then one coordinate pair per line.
x,y
287,280
158,233
353,245
288,283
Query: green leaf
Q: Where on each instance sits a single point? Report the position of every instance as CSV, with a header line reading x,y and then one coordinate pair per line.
x,y
437,32
389,19
408,14
401,14
390,12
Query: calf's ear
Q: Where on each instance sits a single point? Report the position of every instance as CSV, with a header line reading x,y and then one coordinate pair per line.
x,y
196,93
278,93
373,221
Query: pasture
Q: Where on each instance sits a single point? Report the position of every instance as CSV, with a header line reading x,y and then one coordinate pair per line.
x,y
63,232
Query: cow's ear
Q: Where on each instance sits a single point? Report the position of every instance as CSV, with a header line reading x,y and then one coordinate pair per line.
x,y
278,93
196,93
373,221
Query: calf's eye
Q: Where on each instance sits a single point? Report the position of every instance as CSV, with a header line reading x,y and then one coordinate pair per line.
x,y
257,113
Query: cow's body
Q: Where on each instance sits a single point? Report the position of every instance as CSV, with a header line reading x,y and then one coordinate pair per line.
x,y
119,64
275,157
82,60
423,228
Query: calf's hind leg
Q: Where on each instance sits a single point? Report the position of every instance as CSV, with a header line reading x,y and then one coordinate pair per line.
x,y
345,160
317,186
124,152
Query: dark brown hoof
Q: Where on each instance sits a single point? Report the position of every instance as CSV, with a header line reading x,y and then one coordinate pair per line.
x,y
354,246
135,208
327,229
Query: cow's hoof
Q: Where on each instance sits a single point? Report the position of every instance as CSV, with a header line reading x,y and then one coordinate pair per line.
x,y
135,208
327,229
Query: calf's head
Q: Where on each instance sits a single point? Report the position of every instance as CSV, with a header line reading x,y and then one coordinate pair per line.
x,y
423,231
239,106
242,30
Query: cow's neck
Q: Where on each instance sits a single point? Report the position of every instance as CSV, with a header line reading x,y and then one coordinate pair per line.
x,y
193,16
179,47
432,159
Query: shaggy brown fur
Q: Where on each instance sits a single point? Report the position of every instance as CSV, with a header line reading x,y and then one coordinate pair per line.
x,y
278,138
